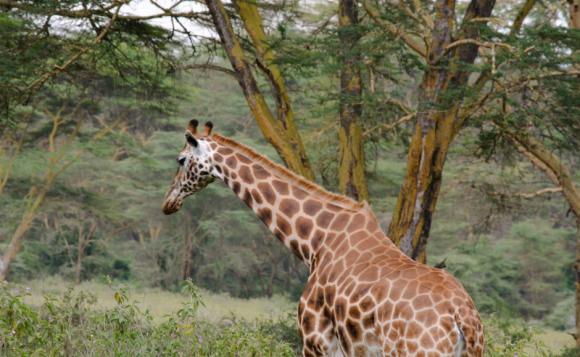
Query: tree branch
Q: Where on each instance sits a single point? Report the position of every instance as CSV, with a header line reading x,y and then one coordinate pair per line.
x,y
212,67
419,48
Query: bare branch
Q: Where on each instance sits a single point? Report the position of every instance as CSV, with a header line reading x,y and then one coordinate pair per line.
x,y
418,47
548,190
389,126
212,67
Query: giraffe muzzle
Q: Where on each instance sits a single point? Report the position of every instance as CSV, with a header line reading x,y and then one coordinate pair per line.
x,y
172,202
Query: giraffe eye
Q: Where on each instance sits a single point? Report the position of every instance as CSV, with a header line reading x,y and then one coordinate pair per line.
x,y
181,161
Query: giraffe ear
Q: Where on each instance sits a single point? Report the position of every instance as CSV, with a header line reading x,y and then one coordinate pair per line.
x,y
190,139
208,127
192,126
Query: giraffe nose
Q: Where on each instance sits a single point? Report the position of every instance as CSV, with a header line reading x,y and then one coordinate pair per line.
x,y
172,202
170,206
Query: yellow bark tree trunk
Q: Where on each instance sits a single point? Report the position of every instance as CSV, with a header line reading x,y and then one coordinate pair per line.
x,y
351,166
437,124
280,131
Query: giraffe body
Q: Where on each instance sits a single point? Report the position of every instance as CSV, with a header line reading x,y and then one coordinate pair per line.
x,y
363,297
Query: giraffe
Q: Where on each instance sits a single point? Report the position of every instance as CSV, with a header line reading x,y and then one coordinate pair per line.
x,y
363,297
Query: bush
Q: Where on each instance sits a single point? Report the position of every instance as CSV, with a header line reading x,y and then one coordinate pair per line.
x,y
69,325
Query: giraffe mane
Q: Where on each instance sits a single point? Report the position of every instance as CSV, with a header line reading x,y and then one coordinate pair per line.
x,y
293,178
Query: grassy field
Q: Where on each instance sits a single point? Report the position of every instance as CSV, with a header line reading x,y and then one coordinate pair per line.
x,y
220,307
161,303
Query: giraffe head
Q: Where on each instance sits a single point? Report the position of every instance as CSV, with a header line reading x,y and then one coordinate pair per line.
x,y
195,169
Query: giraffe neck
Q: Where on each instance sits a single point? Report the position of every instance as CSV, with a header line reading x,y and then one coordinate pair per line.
x,y
296,211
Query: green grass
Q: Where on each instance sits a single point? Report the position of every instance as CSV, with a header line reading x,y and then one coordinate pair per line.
x,y
160,303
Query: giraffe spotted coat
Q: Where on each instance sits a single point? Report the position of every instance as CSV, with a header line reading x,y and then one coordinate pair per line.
x,y
364,297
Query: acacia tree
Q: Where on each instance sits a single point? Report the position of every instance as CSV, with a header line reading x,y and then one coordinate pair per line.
x,y
535,111
279,130
351,167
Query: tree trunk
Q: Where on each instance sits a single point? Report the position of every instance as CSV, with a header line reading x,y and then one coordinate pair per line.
x,y
187,256
436,125
280,132
351,169
23,227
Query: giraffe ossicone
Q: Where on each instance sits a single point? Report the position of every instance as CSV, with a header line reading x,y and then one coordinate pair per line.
x,y
363,297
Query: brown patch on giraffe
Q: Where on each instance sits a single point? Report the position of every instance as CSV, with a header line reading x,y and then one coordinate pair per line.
x,y
247,198
232,163
410,291
303,227
305,251
244,159
403,310
267,192
354,312
369,321
340,222
411,346
246,175
422,301
319,299
426,341
265,215
372,225
360,351
280,186
366,304
311,207
340,308
329,295
225,151
413,330
257,197
351,257
316,240
236,187
323,322
324,218
260,172
308,321
218,158
298,192
427,317
370,274
283,225
356,223
289,207
294,246
353,329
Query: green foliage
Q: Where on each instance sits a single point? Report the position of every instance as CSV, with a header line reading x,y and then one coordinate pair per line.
x,y
508,276
68,325
508,337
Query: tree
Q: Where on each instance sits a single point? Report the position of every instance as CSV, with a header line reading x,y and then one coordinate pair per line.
x,y
57,164
280,130
351,167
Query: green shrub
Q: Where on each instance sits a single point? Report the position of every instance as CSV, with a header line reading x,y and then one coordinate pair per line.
x,y
69,325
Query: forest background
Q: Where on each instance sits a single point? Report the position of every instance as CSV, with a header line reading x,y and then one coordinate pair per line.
x,y
458,121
